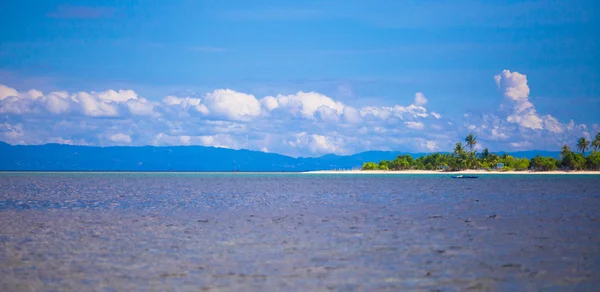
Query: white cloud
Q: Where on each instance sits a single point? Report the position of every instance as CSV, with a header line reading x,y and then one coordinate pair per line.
x,y
140,107
232,105
269,103
60,140
520,145
323,144
352,115
184,102
497,134
55,102
514,85
94,104
431,146
415,125
516,90
120,138
300,124
219,140
381,112
182,105
409,112
6,91
305,104
12,134
327,114
116,96
317,144
519,120
221,118
552,124
420,99
94,107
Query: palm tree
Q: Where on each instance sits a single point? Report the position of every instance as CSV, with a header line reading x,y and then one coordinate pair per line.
x,y
471,141
483,157
582,145
596,142
485,154
565,151
473,163
458,148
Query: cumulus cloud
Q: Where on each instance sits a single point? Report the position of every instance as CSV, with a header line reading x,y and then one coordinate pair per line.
x,y
401,112
219,140
352,115
12,133
318,144
304,104
120,138
521,145
519,120
415,125
117,96
93,104
431,146
6,91
553,125
140,107
298,124
232,105
420,99
514,85
497,134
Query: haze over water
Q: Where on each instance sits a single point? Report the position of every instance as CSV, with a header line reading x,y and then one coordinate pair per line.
x,y
298,232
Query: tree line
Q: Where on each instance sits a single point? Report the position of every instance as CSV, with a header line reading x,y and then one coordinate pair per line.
x,y
462,158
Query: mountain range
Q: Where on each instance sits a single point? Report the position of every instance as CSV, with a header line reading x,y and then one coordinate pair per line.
x,y
60,157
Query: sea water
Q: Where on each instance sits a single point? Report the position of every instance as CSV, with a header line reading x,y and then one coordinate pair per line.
x,y
298,232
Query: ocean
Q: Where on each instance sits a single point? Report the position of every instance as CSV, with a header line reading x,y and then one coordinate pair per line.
x,y
298,232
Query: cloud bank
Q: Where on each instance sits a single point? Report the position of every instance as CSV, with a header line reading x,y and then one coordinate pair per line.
x,y
298,124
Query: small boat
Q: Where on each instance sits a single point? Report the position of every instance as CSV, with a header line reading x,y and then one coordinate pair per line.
x,y
465,176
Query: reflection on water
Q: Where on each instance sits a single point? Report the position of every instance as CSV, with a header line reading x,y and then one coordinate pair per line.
x,y
279,232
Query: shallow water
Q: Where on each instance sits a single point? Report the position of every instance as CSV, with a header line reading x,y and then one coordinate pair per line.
x,y
298,232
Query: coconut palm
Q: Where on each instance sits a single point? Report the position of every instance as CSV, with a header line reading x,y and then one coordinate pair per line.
x,y
485,154
596,142
565,151
473,163
471,141
484,157
582,145
458,148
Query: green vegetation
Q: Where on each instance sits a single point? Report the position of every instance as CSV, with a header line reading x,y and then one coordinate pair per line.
x,y
596,142
461,159
582,145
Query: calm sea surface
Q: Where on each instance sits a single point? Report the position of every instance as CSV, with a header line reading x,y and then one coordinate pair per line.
x,y
298,232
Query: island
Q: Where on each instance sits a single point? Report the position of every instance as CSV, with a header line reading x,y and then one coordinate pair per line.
x,y
465,158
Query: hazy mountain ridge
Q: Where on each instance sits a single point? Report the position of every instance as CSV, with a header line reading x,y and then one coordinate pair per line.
x,y
59,157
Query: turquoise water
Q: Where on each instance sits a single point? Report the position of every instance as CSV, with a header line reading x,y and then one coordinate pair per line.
x,y
289,231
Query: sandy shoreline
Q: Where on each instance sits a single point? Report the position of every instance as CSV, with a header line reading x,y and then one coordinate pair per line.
x,y
484,172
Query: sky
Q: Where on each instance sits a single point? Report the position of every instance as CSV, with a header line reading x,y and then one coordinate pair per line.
x,y
301,78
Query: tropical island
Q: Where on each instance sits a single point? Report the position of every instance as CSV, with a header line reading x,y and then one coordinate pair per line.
x,y
462,159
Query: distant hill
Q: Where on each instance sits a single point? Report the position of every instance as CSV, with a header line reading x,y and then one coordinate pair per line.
x,y
57,157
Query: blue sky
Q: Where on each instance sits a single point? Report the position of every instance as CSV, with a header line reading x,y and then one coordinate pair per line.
x,y
302,78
